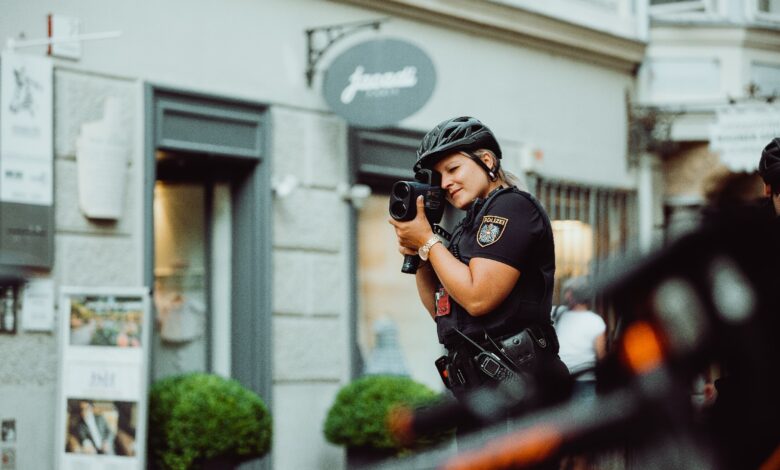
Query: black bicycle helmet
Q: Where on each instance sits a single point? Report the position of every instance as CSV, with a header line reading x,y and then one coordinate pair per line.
x,y
457,134
769,165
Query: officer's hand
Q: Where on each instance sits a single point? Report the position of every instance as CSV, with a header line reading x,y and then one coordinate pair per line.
x,y
414,233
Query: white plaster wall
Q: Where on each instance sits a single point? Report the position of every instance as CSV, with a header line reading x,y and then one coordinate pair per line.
x,y
310,285
727,80
573,111
734,48
613,16
86,253
32,406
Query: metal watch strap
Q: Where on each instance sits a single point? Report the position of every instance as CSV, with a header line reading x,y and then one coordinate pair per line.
x,y
425,249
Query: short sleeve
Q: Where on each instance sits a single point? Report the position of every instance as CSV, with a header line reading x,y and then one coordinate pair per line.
x,y
509,230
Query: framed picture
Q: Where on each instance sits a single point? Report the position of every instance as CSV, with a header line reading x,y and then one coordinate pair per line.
x,y
104,338
101,427
105,320
8,431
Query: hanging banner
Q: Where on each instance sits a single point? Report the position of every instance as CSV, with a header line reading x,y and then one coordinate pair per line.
x,y
26,135
741,132
104,344
378,83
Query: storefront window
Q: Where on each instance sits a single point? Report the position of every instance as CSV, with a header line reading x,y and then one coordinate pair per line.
x,y
391,324
573,247
387,299
179,291
192,280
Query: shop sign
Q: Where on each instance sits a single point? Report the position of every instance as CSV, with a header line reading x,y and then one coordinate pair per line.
x,y
740,133
380,82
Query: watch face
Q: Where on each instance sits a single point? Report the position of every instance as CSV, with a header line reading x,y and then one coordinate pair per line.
x,y
423,253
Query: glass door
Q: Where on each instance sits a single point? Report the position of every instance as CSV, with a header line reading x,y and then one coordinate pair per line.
x,y
192,266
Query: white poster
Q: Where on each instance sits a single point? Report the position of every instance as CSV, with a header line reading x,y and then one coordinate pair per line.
x,y
38,305
741,132
104,344
26,123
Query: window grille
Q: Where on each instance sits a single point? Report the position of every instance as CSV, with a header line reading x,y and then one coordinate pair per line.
x,y
590,224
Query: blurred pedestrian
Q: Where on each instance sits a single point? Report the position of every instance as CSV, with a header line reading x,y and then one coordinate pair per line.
x,y
582,335
769,169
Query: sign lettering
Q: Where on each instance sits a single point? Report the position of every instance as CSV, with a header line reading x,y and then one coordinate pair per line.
x,y
378,83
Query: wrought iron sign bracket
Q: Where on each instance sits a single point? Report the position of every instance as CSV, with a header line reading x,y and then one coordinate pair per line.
x,y
331,35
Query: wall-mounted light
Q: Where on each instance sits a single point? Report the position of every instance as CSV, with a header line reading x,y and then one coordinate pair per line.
x,y
355,194
283,186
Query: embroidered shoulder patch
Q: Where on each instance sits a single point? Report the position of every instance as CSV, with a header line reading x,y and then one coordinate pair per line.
x,y
491,229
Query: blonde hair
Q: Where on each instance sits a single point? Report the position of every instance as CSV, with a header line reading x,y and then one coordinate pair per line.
x,y
506,177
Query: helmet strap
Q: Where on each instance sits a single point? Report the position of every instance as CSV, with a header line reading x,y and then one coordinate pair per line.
x,y
492,173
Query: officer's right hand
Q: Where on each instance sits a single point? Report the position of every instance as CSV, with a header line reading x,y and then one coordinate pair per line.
x,y
414,233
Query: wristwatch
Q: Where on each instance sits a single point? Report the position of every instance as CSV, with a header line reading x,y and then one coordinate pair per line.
x,y
426,249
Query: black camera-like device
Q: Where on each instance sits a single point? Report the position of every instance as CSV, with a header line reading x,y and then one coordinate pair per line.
x,y
403,205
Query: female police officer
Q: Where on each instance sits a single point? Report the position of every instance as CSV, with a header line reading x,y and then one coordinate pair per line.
x,y
491,290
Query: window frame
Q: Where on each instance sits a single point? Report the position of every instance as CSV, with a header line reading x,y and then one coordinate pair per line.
x,y
761,15
683,6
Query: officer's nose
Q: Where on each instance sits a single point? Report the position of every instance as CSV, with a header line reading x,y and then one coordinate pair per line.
x,y
446,182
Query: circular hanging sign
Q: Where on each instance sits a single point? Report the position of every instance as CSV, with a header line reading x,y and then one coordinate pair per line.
x,y
378,83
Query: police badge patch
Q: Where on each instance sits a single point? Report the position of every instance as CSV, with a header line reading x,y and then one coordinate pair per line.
x,y
490,230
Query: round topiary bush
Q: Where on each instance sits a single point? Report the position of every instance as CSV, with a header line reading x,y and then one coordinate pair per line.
x,y
196,418
358,417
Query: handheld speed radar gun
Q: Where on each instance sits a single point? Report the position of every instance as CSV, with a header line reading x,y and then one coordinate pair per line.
x,y
403,205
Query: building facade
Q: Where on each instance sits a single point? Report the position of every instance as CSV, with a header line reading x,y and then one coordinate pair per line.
x,y
240,214
712,71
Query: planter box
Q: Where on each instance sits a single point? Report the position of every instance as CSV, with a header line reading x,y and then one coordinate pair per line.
x,y
362,457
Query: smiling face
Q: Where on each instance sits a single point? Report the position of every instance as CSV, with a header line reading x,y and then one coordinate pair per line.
x,y
463,179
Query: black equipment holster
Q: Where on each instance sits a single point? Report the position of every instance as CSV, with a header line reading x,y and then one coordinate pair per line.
x,y
459,371
523,349
471,365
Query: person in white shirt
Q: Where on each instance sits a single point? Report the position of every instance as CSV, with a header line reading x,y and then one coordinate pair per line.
x,y
581,334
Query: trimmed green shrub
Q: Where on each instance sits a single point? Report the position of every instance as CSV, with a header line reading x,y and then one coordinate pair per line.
x,y
197,417
358,416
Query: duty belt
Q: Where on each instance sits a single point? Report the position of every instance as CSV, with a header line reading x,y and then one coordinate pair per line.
x,y
470,364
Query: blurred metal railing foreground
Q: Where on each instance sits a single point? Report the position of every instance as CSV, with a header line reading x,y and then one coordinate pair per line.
x,y
711,296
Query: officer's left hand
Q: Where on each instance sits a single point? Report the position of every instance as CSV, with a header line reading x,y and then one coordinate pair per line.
x,y
414,233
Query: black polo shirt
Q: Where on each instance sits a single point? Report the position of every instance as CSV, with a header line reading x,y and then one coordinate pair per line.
x,y
510,227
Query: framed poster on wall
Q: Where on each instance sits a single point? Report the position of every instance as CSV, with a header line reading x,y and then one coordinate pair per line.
x,y
101,408
26,129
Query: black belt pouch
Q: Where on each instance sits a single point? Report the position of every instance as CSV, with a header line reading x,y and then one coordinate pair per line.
x,y
521,350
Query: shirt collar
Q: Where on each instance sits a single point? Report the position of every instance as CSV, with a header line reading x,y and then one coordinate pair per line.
x,y
477,205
